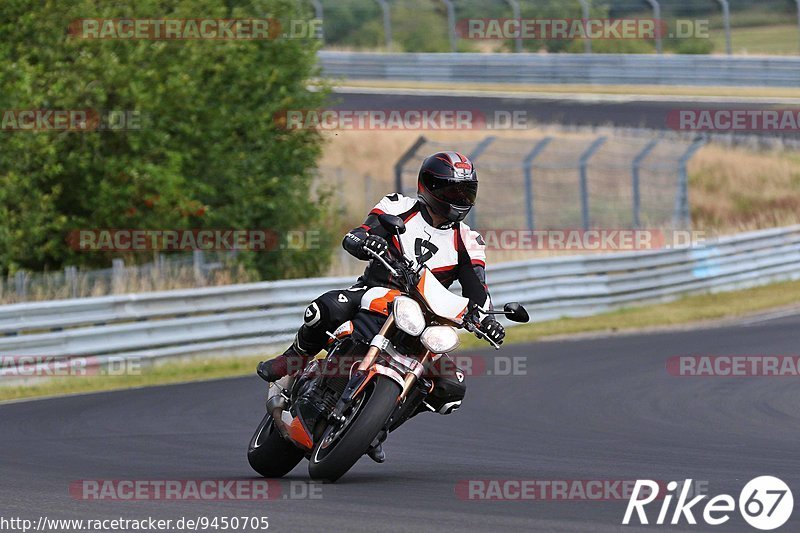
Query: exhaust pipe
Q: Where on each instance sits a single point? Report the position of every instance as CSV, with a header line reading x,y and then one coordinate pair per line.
x,y
275,406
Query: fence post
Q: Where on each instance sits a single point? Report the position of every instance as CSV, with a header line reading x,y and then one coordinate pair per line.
x,y
405,158
451,23
21,285
518,17
198,262
527,167
319,14
726,19
587,41
681,217
162,272
659,25
367,193
474,155
584,162
117,275
798,18
387,23
637,164
71,277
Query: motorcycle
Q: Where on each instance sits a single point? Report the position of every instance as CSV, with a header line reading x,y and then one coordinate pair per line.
x,y
334,417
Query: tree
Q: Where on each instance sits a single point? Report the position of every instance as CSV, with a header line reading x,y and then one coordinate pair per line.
x,y
207,153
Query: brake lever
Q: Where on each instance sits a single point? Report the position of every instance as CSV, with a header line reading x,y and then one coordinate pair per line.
x,y
474,328
385,263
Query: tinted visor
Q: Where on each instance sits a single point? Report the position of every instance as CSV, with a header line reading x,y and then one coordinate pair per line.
x,y
461,193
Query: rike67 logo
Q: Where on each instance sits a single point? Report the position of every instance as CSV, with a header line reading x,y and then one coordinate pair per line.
x,y
765,503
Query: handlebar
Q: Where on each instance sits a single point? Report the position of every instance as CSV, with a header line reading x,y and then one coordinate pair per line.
x,y
474,327
385,263
471,326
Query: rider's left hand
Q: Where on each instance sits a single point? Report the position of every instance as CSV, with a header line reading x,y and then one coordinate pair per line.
x,y
493,329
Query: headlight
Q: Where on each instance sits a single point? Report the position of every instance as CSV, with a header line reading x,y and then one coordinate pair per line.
x,y
440,339
408,315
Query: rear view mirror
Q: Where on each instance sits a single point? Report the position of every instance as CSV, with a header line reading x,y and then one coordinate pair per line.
x,y
515,312
393,224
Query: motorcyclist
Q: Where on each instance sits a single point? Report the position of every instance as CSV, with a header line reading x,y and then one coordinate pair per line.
x,y
435,233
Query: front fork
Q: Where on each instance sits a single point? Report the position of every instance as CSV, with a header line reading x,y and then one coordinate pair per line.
x,y
374,351
363,374
411,378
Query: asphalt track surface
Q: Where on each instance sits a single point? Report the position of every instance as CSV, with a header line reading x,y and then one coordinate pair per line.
x,y
628,114
590,409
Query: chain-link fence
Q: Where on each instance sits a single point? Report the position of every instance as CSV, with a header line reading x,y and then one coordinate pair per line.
x,y
713,26
571,181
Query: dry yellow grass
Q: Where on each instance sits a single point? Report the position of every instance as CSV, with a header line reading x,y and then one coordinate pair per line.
x,y
737,189
48,286
731,189
656,90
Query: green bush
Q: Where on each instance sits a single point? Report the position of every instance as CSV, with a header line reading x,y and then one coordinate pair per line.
x,y
209,152
616,46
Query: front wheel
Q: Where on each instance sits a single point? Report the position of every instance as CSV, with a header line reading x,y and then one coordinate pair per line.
x,y
342,445
269,453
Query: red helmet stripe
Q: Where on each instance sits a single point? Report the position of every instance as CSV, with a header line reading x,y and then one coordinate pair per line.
x,y
445,160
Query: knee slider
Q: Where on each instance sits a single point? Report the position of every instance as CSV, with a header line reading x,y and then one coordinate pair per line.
x,y
316,314
446,395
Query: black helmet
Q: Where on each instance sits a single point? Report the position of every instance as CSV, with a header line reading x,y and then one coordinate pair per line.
x,y
448,185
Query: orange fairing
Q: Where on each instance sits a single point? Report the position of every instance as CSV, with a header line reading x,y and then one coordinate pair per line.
x,y
381,305
298,434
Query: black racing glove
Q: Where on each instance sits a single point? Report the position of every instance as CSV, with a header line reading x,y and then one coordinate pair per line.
x,y
376,243
493,329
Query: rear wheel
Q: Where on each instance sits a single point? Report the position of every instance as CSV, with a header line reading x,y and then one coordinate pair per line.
x,y
343,444
269,454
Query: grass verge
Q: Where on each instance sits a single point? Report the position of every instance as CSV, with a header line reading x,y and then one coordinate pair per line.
x,y
566,88
778,39
683,311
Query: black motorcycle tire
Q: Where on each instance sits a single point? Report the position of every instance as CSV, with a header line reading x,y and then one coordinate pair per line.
x,y
380,402
269,453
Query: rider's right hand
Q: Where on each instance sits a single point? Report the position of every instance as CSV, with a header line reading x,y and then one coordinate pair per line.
x,y
375,243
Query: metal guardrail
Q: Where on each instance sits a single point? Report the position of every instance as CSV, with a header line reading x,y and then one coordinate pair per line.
x,y
252,318
615,69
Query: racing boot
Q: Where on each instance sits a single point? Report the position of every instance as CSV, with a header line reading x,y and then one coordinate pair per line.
x,y
376,453
291,361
